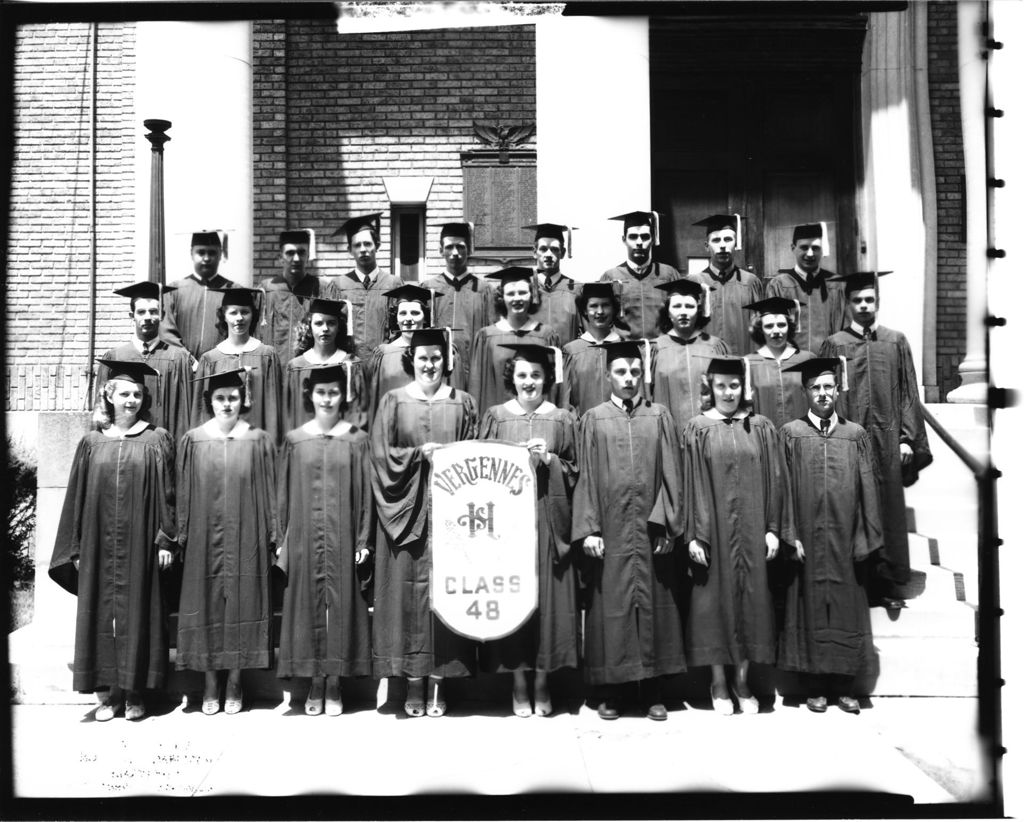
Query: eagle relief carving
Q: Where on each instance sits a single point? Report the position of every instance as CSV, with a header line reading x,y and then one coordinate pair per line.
x,y
504,138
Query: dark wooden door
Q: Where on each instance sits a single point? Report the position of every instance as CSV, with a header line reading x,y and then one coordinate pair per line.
x,y
743,120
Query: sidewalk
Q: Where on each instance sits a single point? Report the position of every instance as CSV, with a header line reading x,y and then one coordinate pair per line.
x,y
925,748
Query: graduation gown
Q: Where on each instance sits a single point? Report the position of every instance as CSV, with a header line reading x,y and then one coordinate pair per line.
x,y
384,373
824,311
284,313
629,490
728,319
488,358
227,528
583,381
262,380
735,492
549,640
834,507
677,366
326,516
293,413
778,395
118,513
369,322
558,306
465,308
190,313
170,393
408,640
883,398
641,301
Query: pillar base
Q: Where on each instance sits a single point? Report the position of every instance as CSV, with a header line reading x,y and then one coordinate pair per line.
x,y
975,393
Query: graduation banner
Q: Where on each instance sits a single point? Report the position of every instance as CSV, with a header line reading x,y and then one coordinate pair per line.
x,y
483,516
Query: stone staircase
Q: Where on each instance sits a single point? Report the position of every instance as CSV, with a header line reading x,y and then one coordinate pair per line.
x,y
928,649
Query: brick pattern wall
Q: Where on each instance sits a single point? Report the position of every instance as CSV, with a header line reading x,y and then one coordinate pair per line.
x,y
944,92
334,113
49,270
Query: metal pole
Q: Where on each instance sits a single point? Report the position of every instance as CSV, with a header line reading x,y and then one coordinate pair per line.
x,y
157,137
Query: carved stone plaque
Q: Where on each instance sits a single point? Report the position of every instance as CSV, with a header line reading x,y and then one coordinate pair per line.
x,y
499,197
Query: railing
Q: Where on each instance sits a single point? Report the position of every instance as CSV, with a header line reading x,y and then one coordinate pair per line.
x,y
989,672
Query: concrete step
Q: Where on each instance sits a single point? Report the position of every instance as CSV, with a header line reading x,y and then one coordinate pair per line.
x,y
916,666
919,621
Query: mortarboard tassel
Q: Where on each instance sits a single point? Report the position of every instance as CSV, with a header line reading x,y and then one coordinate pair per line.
x,y
825,251
739,232
705,300
223,243
263,304
647,361
449,352
348,320
312,243
568,242
472,237
656,219
796,305
558,363
748,388
349,391
844,383
246,384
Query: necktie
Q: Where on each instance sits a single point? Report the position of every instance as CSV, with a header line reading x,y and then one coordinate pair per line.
x,y
547,282
824,426
872,335
628,405
145,350
366,282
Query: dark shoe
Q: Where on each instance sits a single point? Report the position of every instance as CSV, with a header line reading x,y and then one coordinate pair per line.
x,y
849,704
657,712
817,704
609,709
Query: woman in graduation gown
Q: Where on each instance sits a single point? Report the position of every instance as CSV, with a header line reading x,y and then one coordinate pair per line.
x,y
117,530
583,383
408,640
777,392
680,355
735,493
227,527
326,343
326,517
408,310
516,299
549,640
238,317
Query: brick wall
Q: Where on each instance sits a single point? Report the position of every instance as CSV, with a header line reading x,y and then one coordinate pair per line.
x,y
49,267
334,113
944,93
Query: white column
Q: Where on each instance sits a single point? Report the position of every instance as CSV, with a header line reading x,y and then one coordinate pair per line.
x,y
891,207
971,46
593,132
198,76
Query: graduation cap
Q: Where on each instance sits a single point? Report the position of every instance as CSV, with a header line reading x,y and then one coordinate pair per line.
x,y
553,231
812,231
354,225
816,366
441,337
340,372
409,293
215,237
231,378
733,367
777,305
859,279
133,371
546,355
589,291
144,290
629,349
718,222
464,230
299,236
511,274
635,218
332,308
689,288
238,295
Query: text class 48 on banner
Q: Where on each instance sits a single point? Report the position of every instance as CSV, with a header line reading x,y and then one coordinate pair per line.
x,y
483,518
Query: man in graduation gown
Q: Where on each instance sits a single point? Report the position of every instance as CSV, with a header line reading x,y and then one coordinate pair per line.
x,y
557,292
733,286
824,302
836,522
639,275
190,310
288,294
627,513
883,398
583,381
366,285
462,301
169,388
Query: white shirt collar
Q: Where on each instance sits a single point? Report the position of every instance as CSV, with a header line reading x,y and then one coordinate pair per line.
x,y
613,336
766,352
502,324
636,269
513,407
816,420
137,343
856,326
715,414
224,346
617,401
372,275
211,428
340,427
340,355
